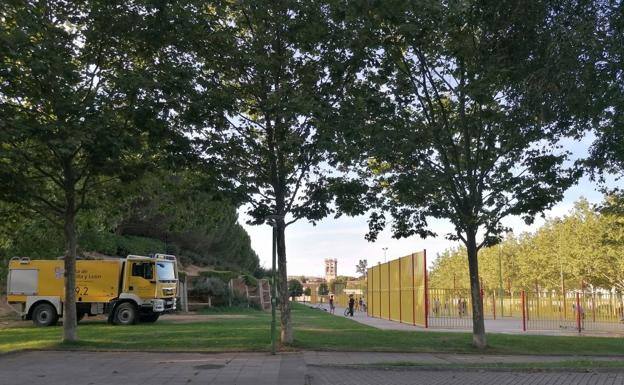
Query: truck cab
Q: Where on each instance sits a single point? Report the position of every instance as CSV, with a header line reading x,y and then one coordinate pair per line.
x,y
151,283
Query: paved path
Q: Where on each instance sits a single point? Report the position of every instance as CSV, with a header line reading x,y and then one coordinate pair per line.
x,y
505,326
128,368
303,368
345,376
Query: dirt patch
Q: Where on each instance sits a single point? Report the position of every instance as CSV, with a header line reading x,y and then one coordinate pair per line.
x,y
194,270
189,318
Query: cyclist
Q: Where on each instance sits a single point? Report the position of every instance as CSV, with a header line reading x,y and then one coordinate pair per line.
x,y
351,304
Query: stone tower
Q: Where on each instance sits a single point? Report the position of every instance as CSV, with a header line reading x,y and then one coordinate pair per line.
x,y
331,269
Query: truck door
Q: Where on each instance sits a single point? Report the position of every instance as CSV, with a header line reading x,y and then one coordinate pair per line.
x,y
141,279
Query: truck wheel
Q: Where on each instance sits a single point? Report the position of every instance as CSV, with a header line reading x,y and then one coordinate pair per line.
x,y
149,317
125,314
80,316
44,314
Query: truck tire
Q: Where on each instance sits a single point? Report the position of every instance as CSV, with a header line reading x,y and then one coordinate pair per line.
x,y
149,317
80,316
44,314
125,314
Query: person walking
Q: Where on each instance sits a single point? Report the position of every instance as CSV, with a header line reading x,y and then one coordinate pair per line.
x,y
332,307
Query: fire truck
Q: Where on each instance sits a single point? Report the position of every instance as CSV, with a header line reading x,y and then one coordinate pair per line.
x,y
128,290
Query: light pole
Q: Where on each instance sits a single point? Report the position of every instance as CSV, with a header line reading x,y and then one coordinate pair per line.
x,y
384,250
272,220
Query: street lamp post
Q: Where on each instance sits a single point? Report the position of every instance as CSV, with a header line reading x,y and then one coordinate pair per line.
x,y
500,281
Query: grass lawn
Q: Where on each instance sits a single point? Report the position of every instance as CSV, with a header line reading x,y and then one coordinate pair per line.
x,y
249,330
317,330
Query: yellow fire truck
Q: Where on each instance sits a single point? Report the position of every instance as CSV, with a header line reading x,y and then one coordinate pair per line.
x,y
137,288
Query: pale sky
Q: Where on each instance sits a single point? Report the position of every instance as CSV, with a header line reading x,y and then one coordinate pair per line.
x,y
307,246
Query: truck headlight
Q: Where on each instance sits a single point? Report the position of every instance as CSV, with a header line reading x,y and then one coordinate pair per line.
x,y
158,305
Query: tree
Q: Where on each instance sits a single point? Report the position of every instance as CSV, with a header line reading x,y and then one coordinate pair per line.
x,y
607,153
361,267
186,212
267,69
78,109
295,288
323,289
340,280
307,291
457,112
583,249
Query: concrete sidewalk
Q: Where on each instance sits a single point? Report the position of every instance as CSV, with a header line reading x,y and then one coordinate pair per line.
x,y
129,368
504,326
299,368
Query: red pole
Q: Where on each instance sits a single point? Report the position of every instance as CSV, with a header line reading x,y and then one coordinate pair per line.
x,y
413,292
400,293
426,289
523,312
578,311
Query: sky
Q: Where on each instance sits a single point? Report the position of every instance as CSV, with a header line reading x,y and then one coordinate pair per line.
x,y
307,246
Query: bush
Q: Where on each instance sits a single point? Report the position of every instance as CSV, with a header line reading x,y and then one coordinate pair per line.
x,y
208,286
130,244
250,280
102,242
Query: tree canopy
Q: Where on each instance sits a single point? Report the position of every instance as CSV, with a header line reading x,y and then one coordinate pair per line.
x,y
258,88
586,247
457,112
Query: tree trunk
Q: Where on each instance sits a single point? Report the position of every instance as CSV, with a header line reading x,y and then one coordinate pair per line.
x,y
70,330
286,325
478,324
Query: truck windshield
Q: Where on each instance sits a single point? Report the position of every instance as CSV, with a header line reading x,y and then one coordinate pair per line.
x,y
165,271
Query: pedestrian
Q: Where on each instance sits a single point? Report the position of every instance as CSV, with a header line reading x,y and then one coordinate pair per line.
x,y
332,307
351,304
361,304
436,307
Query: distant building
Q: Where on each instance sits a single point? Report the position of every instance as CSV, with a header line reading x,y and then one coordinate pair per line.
x,y
331,269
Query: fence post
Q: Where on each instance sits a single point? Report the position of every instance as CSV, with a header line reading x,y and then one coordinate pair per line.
x,y
185,295
494,304
578,311
523,311
593,305
389,302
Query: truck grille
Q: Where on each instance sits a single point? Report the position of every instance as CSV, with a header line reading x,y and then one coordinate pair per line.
x,y
167,292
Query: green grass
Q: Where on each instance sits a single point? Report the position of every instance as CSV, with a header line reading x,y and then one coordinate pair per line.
x,y
243,329
315,329
248,333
